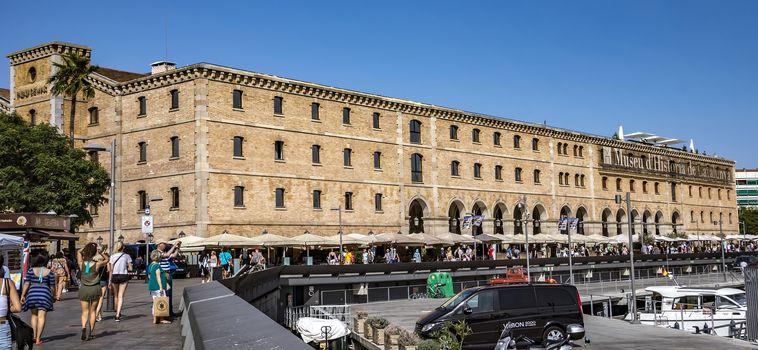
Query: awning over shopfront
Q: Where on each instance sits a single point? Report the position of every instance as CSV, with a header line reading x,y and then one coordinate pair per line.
x,y
37,227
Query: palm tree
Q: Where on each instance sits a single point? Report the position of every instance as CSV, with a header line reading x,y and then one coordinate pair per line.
x,y
70,80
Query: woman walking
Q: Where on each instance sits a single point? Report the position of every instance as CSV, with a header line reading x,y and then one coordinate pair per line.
x,y
157,282
202,263
119,267
60,267
8,298
37,293
103,275
89,289
213,264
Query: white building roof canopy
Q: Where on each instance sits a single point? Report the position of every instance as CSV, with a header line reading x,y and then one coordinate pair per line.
x,y
669,142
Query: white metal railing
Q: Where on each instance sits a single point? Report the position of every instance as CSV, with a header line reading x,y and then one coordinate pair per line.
x,y
341,313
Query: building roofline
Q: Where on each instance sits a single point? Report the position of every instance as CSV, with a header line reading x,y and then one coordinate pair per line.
x,y
46,49
273,82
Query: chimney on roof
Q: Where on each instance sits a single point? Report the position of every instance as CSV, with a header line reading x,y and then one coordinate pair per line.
x,y
162,66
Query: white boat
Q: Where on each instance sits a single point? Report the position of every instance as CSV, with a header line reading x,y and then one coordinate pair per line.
x,y
690,308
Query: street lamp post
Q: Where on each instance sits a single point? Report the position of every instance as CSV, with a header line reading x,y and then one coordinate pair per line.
x,y
339,218
149,237
525,228
633,306
744,232
723,247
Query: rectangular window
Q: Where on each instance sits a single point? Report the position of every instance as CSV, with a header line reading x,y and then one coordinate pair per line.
x,y
280,198
454,165
517,174
278,105
142,105
94,116
498,172
345,115
142,152
673,192
238,140
239,196
316,199
453,132
348,200
237,99
378,202
279,150
174,197
377,160
516,141
314,111
376,120
657,191
174,99
175,147
605,183
316,154
142,197
536,176
644,186
346,157
535,144
496,139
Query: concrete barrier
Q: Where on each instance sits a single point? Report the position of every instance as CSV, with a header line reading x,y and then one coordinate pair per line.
x,y
215,318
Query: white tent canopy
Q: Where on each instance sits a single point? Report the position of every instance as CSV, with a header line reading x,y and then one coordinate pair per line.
x,y
225,239
10,241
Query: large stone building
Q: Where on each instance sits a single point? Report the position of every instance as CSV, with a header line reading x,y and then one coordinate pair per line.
x,y
235,150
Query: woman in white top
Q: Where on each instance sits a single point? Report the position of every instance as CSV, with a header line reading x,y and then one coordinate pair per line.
x,y
213,263
8,296
119,266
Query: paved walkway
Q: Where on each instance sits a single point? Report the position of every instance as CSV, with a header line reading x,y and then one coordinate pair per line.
x,y
135,331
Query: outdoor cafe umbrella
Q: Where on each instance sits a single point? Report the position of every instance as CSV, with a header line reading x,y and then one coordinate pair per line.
x,y
308,240
225,239
187,240
269,239
456,238
352,239
399,238
487,238
430,239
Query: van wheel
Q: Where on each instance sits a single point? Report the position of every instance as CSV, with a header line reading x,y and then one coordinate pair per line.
x,y
553,333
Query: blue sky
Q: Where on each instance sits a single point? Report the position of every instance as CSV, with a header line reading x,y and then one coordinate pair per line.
x,y
684,69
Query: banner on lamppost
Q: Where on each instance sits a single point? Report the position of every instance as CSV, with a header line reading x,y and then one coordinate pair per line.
x,y
562,224
574,222
478,220
467,221
147,224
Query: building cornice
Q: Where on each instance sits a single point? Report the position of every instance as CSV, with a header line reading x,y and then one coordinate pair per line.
x,y
47,49
274,83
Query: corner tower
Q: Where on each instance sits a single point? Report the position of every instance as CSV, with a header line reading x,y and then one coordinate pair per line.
x,y
30,95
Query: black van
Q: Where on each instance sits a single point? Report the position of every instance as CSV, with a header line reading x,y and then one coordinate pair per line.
x,y
538,311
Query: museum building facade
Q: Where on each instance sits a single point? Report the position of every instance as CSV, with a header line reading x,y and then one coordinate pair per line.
x,y
239,151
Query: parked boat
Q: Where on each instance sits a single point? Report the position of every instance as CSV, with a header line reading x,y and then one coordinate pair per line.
x,y
720,311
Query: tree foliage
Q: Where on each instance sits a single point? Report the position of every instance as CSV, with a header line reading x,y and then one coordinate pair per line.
x,y
40,172
70,80
750,217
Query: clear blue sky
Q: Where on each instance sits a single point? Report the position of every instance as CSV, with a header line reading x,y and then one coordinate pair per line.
x,y
684,69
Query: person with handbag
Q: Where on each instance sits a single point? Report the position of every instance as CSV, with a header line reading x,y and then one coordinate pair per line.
x,y
60,267
103,275
157,283
37,292
9,303
119,267
89,288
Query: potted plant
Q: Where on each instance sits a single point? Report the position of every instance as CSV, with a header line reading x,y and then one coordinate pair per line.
x,y
367,329
391,333
407,340
378,330
428,344
358,321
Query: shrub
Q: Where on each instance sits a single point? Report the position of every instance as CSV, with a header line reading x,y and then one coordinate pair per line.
x,y
380,322
451,335
428,344
393,330
408,338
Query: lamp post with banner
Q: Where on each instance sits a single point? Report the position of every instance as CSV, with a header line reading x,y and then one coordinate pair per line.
x,y
147,229
525,229
569,224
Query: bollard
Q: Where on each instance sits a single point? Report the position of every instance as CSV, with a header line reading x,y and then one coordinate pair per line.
x,y
592,306
610,307
706,330
676,325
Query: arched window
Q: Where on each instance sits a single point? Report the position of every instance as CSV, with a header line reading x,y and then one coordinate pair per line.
x,y
581,180
581,151
475,135
702,217
517,174
631,185
566,179
605,182
536,176
454,168
416,170
477,171
565,149
496,138
560,178
33,117
618,184
560,148
415,131
719,194
576,150
453,132
730,218
516,141
535,144
576,180
499,172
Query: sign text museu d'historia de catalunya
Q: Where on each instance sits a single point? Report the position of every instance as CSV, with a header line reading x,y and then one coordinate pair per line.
x,y
650,162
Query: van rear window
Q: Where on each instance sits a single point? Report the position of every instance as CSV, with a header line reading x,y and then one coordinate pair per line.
x,y
516,298
550,296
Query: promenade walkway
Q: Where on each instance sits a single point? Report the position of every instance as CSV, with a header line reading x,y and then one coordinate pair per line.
x,y
135,331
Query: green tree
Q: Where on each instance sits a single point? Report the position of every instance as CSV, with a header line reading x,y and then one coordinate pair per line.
x,y
750,217
40,172
71,79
